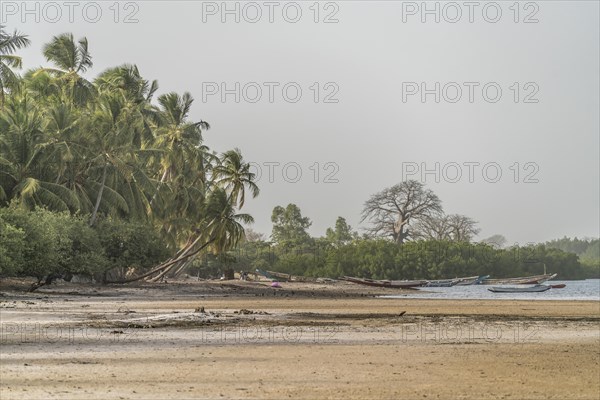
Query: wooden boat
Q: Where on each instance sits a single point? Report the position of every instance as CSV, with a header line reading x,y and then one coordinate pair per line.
x,y
281,277
442,283
527,280
558,286
472,280
385,283
469,280
268,275
530,289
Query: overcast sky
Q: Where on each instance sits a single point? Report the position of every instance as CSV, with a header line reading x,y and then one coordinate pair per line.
x,y
518,95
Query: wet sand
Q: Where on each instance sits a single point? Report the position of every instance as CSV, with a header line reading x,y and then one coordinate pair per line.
x,y
246,340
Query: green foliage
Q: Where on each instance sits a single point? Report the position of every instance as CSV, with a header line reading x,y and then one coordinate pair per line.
x,y
12,245
592,252
9,43
130,244
40,243
84,253
342,252
341,234
54,243
43,244
234,174
289,226
577,246
431,259
588,251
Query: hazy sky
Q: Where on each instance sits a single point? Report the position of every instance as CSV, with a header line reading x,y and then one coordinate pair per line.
x,y
520,98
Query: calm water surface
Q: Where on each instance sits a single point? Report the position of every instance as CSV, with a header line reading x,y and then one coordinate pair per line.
x,y
575,290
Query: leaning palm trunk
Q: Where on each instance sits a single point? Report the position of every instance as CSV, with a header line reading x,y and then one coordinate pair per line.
x,y
185,249
184,254
181,268
179,265
166,270
163,178
99,199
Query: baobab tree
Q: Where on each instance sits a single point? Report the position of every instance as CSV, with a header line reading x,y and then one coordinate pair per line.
x,y
392,210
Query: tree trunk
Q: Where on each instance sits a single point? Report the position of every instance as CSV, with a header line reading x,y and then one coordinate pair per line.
x,y
170,263
163,178
181,252
181,268
400,231
229,274
95,213
164,272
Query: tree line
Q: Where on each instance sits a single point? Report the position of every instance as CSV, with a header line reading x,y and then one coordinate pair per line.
x,y
400,244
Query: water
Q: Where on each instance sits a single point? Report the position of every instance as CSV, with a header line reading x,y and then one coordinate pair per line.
x,y
588,289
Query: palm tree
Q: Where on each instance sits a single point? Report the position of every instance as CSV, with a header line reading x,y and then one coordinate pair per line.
x,y
9,43
137,91
175,133
182,167
135,94
71,60
233,174
221,222
25,174
220,230
43,87
121,182
221,226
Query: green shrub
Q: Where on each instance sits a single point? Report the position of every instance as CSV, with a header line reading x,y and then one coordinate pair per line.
x,y
80,249
130,245
42,243
50,243
12,245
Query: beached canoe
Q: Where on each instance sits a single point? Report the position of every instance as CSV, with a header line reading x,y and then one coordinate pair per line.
x,y
468,280
442,283
472,280
385,283
527,280
530,289
282,277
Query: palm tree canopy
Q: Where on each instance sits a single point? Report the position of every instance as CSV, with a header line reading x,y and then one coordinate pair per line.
x,y
9,44
221,223
233,174
68,55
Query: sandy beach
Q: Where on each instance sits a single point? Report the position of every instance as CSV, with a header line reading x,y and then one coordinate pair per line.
x,y
189,340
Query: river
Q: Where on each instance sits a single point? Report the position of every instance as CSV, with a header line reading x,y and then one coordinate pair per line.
x,y
588,289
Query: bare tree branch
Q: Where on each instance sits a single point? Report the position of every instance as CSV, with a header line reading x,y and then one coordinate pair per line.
x,y
454,227
392,210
